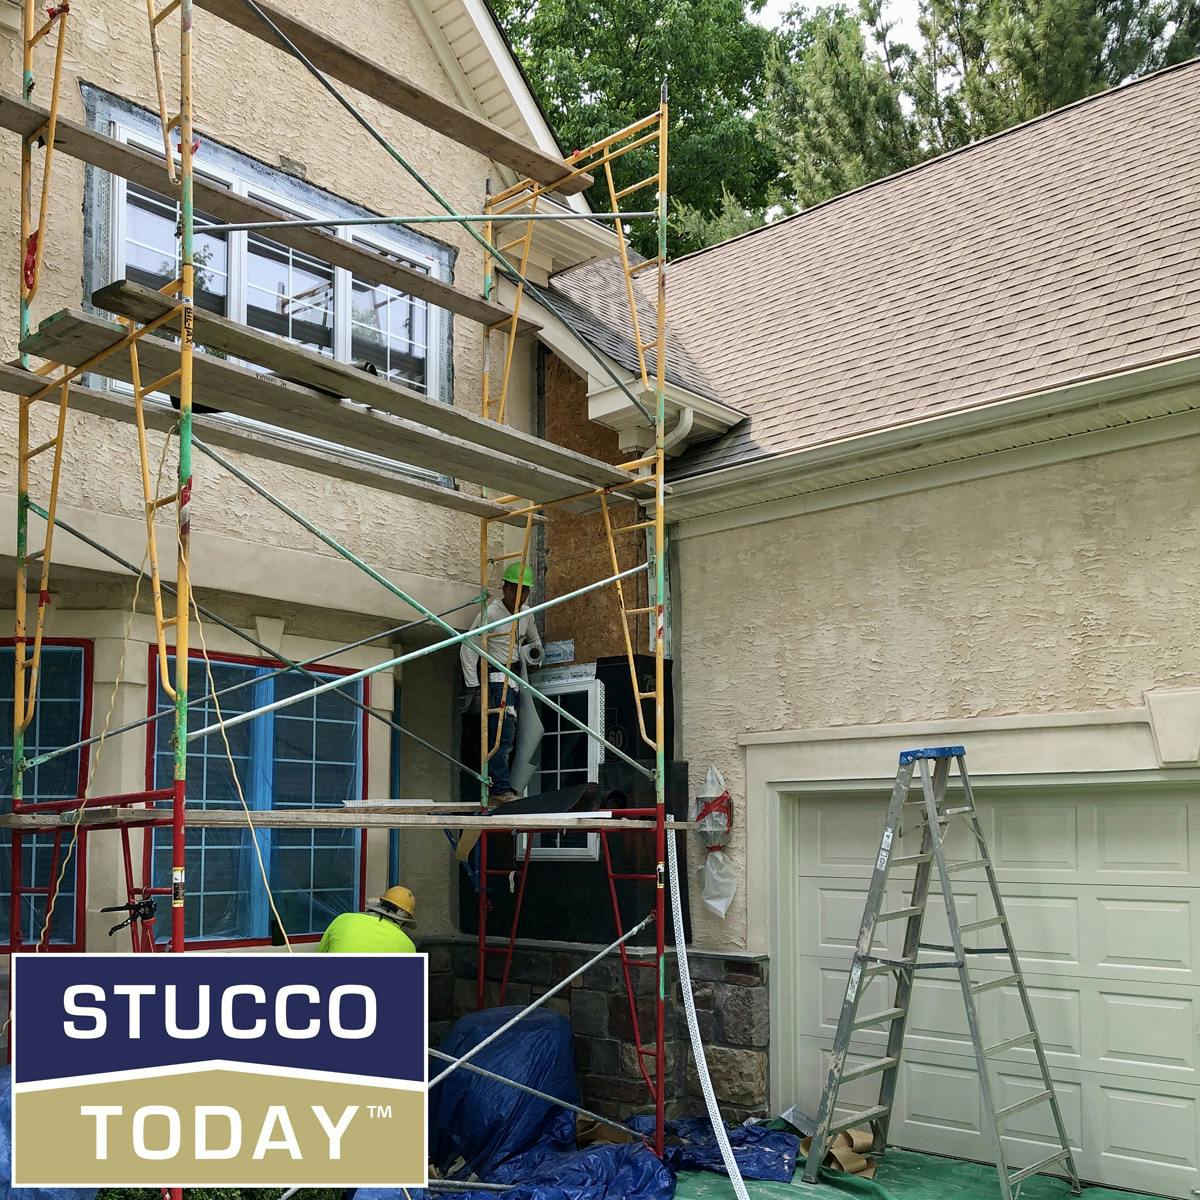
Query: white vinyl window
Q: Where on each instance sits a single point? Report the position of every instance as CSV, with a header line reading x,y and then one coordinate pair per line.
x,y
258,282
565,757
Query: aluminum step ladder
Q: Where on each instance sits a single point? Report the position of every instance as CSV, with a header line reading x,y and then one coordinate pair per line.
x,y
935,818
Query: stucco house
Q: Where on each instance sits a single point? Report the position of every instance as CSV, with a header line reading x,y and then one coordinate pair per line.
x,y
932,476
962,506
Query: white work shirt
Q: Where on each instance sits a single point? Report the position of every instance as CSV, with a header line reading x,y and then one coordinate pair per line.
x,y
497,643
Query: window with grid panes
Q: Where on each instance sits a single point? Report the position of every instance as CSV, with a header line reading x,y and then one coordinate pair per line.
x,y
567,756
58,720
305,756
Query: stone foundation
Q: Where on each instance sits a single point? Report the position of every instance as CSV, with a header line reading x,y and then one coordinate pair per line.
x,y
732,1010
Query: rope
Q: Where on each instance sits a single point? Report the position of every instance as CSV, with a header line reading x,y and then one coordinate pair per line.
x,y
52,898
237,783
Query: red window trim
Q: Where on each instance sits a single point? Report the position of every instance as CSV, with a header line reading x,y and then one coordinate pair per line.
x,y
87,645
259,661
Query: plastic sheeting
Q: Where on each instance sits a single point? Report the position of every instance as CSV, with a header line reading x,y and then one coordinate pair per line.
x,y
487,1123
7,1191
760,1153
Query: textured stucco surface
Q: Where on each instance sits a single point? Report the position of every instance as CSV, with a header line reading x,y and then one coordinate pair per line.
x,y
255,99
1063,588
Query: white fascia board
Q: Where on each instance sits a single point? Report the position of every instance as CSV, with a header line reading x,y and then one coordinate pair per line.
x,y
1097,392
609,405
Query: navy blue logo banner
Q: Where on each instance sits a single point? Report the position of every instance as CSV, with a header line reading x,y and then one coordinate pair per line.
x,y
222,1070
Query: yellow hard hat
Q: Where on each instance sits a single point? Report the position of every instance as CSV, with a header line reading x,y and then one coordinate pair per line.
x,y
398,903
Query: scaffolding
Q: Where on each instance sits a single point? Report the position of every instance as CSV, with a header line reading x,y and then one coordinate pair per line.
x,y
521,478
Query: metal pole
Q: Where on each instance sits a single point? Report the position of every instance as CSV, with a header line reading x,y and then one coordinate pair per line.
x,y
558,987
184,498
439,219
457,638
529,1091
660,765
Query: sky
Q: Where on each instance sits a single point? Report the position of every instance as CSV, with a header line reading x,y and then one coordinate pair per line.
x,y
903,12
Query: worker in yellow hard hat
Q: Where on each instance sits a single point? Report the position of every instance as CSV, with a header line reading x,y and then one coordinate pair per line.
x,y
378,930
523,649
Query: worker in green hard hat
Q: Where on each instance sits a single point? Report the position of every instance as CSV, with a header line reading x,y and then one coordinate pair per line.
x,y
518,644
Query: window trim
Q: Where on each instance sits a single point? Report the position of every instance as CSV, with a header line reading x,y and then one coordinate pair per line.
x,y
364,742
88,646
594,689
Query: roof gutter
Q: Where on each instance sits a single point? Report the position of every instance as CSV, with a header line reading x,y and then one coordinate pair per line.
x,y
1177,375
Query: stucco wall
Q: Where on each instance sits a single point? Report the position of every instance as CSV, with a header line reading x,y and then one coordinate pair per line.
x,y
258,101
1059,588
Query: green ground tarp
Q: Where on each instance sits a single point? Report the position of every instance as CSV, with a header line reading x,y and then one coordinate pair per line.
x,y
902,1175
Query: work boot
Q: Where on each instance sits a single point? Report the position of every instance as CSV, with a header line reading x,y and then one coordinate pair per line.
x,y
503,797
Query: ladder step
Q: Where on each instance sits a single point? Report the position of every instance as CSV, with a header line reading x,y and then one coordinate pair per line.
x,y
910,860
643,266
988,984
954,868
985,923
1028,1102
887,968
897,913
1038,1167
948,813
1022,1039
869,1068
879,1018
859,1118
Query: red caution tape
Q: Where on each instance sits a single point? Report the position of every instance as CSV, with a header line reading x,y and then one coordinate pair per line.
x,y
44,598
721,805
59,9
29,268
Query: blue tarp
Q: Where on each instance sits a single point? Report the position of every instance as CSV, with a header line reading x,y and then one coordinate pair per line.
x,y
760,1153
7,1191
487,1123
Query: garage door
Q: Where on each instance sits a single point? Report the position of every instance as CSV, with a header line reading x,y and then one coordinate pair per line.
x,y
1101,893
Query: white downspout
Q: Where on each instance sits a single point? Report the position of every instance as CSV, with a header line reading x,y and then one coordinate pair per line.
x,y
683,427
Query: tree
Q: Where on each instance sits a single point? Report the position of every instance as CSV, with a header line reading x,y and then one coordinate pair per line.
x,y
597,67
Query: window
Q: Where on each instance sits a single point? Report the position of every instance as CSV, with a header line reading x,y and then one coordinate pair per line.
x,y
567,756
60,718
254,280
306,756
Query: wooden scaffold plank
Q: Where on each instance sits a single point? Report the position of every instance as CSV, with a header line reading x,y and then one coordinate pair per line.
x,y
74,337
340,379
402,95
148,170
220,431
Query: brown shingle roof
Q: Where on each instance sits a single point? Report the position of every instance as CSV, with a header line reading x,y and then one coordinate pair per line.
x,y
1062,248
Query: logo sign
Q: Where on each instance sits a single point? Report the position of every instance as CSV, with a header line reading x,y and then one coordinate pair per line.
x,y
231,1070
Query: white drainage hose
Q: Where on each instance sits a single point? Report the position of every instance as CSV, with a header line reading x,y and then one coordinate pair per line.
x,y
689,1008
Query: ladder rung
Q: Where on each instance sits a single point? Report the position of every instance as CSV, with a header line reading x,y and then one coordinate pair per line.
x,y
985,923
629,528
637,187
643,266
1028,1102
633,612
859,1118
896,913
163,501
889,967
910,860
1038,1167
174,122
988,984
869,1068
879,1018
168,622
158,384
947,813
34,555
647,695
1022,1039
954,868
507,246
166,12
47,445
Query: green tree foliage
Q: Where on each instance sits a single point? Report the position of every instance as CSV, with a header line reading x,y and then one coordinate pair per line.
x,y
847,103
597,67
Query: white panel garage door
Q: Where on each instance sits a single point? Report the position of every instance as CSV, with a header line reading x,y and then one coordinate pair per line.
x,y
1101,891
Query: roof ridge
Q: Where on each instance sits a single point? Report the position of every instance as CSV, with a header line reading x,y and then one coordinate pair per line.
x,y
944,156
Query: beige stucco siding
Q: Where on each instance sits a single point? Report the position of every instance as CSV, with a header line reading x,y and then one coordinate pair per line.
x,y
259,102
1060,588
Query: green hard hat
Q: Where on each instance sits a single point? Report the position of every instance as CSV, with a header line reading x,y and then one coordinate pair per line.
x,y
512,574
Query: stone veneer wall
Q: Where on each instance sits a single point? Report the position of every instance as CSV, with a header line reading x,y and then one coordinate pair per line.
x,y
731,1007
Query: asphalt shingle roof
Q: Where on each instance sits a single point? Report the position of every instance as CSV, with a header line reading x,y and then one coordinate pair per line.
x,y
1064,248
